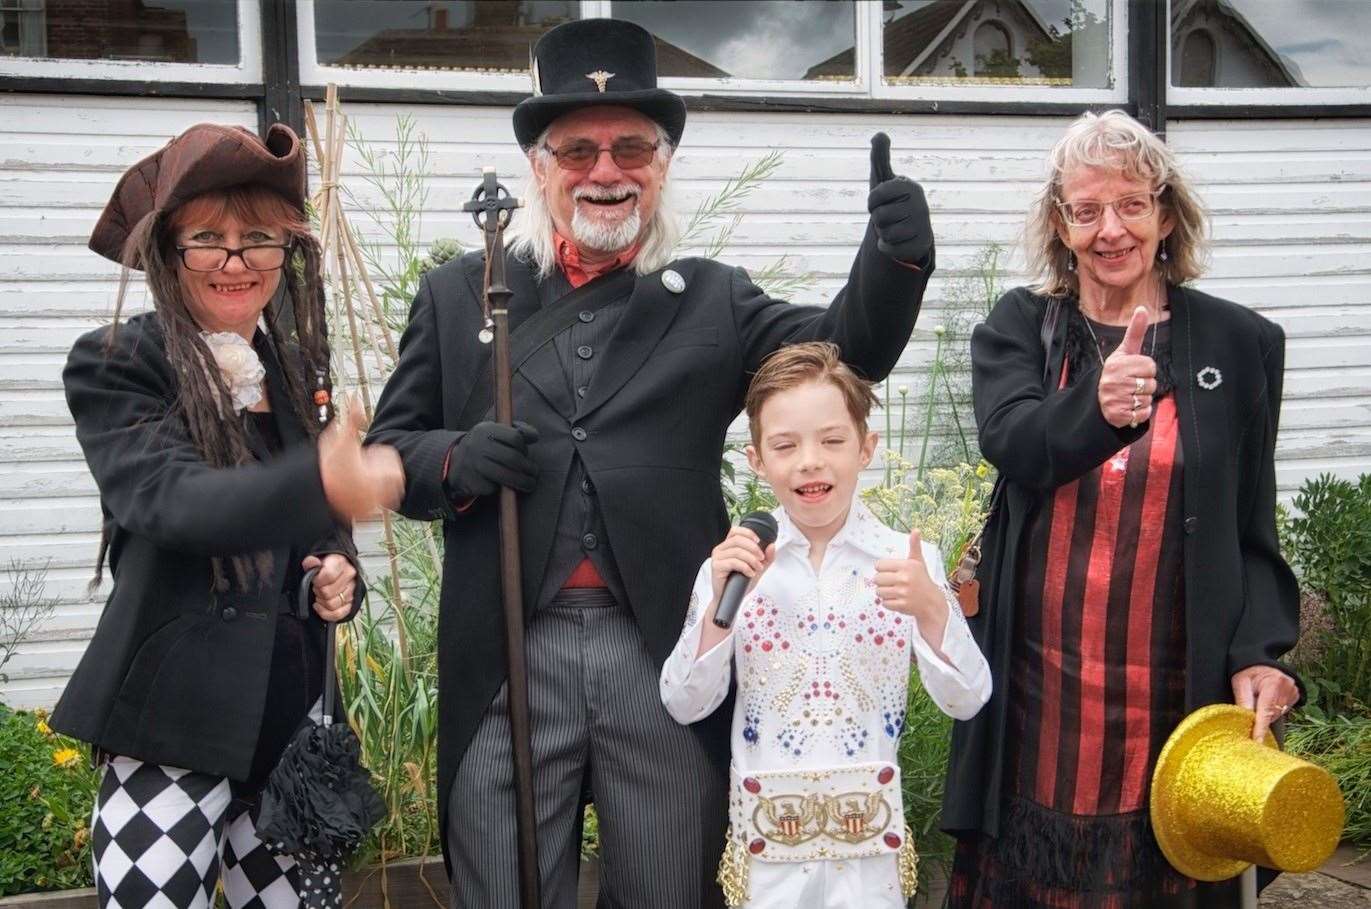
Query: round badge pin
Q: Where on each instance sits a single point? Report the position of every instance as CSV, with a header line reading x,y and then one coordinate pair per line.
x,y
673,281
1209,378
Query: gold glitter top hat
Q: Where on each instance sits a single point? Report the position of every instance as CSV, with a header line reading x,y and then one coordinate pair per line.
x,y
1221,801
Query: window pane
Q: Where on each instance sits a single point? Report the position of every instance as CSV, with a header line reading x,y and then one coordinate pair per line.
x,y
167,31
760,39
482,35
1016,42
1258,43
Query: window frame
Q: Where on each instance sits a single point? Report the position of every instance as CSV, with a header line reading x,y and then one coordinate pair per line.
x,y
867,83
248,70
1215,97
1008,94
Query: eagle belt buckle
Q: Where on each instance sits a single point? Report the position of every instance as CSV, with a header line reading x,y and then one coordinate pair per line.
x,y
839,813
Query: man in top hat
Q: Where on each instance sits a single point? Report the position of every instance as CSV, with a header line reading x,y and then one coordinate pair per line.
x,y
629,367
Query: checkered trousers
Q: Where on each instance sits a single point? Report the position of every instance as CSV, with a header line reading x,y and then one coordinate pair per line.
x,y
162,837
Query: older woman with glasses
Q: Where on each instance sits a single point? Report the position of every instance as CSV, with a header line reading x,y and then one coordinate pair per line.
x,y
1131,571
200,422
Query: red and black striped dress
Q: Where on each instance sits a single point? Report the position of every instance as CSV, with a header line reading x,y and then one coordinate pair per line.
x,y
1097,682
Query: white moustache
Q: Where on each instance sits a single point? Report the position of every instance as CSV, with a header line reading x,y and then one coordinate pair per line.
x,y
604,193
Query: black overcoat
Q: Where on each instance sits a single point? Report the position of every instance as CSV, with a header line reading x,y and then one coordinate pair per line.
x,y
1241,599
650,433
176,672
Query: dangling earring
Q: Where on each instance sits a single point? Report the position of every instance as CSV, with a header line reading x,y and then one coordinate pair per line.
x,y
1070,260
1162,255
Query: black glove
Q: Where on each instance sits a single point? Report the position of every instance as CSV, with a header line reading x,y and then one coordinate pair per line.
x,y
489,456
898,210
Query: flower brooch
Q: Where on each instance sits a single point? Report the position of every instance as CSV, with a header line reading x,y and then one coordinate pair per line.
x,y
1209,378
239,365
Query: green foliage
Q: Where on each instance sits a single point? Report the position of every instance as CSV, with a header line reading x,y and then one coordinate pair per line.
x,y
947,504
1342,745
46,795
719,214
388,673
924,749
1328,543
949,429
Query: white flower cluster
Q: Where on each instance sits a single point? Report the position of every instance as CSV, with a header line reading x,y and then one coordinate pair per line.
x,y
238,364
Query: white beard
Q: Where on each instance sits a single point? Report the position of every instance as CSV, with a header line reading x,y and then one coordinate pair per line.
x,y
600,234
605,236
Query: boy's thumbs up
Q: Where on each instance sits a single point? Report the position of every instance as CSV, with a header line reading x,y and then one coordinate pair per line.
x,y
916,545
1137,329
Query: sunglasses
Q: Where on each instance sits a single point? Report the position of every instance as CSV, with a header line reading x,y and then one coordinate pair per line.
x,y
581,154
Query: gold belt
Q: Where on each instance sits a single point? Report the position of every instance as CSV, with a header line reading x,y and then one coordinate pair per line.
x,y
825,814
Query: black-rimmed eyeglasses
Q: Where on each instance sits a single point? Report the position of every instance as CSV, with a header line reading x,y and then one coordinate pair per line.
x,y
213,258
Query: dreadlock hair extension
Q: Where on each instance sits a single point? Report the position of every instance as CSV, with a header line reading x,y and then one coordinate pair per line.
x,y
203,400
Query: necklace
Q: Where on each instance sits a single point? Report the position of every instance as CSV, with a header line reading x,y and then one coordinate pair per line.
x,y
1151,353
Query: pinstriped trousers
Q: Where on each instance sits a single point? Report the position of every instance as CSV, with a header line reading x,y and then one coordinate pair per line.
x,y
597,718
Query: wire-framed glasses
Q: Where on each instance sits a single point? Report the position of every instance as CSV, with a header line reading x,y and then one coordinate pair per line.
x,y
581,154
212,258
1132,207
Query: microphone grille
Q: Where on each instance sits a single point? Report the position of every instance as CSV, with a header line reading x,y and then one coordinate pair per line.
x,y
762,524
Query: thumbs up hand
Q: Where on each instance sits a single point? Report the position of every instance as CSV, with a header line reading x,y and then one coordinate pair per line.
x,y
1129,378
899,212
904,586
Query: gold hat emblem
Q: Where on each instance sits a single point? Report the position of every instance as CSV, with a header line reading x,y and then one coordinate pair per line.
x,y
600,77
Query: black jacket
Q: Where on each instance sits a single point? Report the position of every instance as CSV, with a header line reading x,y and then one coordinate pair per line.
x,y
1241,599
650,433
176,673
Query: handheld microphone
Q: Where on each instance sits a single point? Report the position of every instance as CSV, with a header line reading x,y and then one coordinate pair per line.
x,y
764,526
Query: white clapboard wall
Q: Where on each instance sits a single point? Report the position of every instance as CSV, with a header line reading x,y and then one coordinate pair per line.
x,y
1292,214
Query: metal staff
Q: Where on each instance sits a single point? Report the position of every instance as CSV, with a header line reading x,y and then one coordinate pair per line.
x,y
491,207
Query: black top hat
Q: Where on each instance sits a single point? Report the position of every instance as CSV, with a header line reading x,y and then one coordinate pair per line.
x,y
596,61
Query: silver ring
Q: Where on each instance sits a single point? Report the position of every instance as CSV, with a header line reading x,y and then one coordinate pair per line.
x,y
1285,708
1133,423
1138,384
1135,402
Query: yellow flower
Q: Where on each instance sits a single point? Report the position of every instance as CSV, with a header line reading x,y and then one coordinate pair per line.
x,y
43,728
40,713
982,469
66,757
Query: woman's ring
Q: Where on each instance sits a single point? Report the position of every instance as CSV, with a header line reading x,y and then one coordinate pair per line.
x,y
1138,383
1135,402
341,601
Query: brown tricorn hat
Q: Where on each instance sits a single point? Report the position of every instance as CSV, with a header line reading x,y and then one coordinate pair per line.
x,y
204,158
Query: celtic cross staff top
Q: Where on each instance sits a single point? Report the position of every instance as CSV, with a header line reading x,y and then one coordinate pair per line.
x,y
491,207
492,201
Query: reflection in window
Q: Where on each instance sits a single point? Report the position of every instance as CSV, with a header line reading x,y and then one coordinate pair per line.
x,y
21,28
1260,44
1197,59
167,31
485,36
992,51
761,39
1025,42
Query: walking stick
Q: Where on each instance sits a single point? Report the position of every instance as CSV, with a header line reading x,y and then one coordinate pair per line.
x,y
492,211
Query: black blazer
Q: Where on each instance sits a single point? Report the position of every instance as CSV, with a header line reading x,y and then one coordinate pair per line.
x,y
177,673
650,433
1241,599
